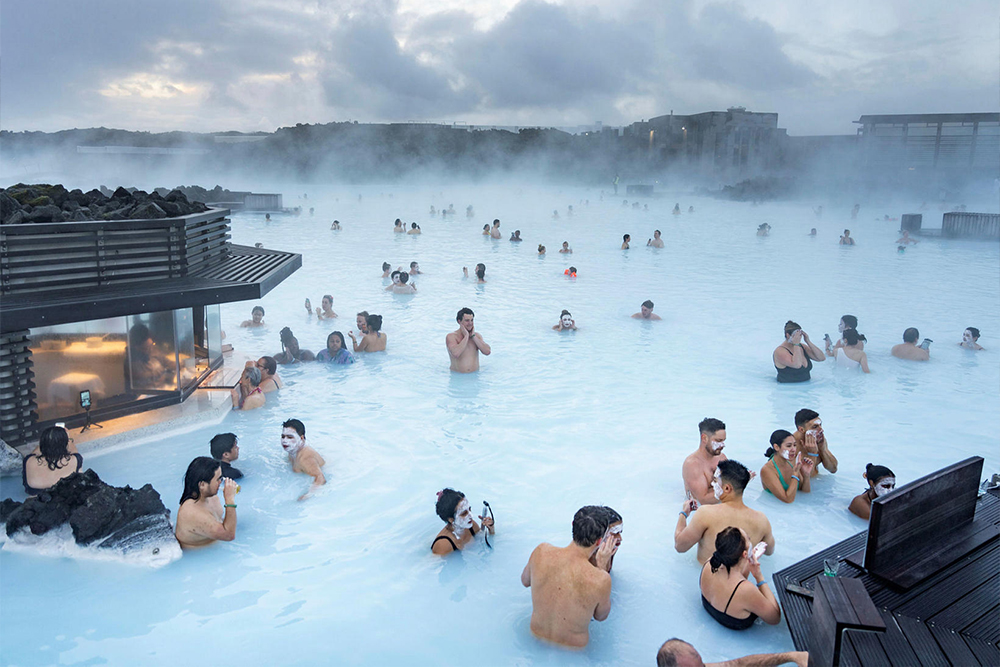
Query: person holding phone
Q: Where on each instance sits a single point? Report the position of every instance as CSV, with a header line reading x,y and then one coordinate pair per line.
x,y
460,527
909,349
723,594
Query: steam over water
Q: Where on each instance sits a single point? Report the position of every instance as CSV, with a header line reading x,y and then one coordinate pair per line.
x,y
553,421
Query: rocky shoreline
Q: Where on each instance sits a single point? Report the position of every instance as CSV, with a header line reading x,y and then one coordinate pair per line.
x,y
25,204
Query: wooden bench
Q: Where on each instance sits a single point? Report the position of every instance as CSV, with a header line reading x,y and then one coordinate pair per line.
x,y
839,604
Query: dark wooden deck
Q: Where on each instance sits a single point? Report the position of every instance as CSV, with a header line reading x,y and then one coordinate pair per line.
x,y
950,618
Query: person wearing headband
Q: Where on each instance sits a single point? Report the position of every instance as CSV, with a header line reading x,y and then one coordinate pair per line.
x,y
460,527
304,459
881,481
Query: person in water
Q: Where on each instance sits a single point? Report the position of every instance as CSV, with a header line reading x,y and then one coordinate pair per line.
x,y
793,358
55,458
566,322
394,277
465,343
656,241
678,653
225,448
565,250
763,229
201,518
555,214
335,225
787,471
398,227
374,340
269,380
291,353
646,312
699,467
326,311
304,459
614,533
480,273
905,239
336,351
846,322
707,521
400,284
909,349
677,209
415,269
723,594
541,250
852,353
460,527
567,591
881,481
247,394
361,320
495,232
810,439
516,236
970,338
846,238
812,232
386,269
486,229
256,318
625,239
414,228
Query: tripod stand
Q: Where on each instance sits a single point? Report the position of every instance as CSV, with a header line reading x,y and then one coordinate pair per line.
x,y
89,425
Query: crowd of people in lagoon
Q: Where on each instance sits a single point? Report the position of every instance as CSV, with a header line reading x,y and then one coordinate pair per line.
x,y
571,585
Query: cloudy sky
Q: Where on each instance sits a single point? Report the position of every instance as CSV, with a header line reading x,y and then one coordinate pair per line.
x,y
212,65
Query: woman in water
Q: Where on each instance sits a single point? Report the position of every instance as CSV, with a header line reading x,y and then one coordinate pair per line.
x,y
486,230
326,312
54,458
846,322
247,394
881,481
566,322
846,238
335,225
541,250
386,269
269,380
399,283
290,351
625,239
460,528
256,318
970,338
398,227
336,350
374,340
722,584
414,228
793,358
852,354
785,472
480,272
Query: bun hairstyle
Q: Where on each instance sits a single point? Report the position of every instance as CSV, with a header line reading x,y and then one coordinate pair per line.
x,y
852,337
850,321
777,438
374,323
447,503
564,313
729,548
386,266
874,473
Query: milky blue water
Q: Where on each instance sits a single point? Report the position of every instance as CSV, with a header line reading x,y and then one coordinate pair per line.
x,y
553,421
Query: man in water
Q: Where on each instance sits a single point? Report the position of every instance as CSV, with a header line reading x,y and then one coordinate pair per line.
x,y
707,521
646,312
225,449
304,459
256,318
656,241
465,343
811,440
566,250
970,338
415,269
495,232
699,468
678,653
905,238
200,518
566,589
909,349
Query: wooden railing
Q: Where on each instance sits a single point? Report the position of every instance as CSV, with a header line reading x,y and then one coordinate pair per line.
x,y
63,255
971,225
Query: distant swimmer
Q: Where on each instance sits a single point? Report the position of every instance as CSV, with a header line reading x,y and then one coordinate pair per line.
x,y
451,209
480,272
570,272
970,338
793,358
414,228
656,241
465,343
516,236
386,269
486,229
495,232
812,232
335,225
415,269
566,322
555,215
256,318
567,591
854,211
569,211
398,227
374,340
690,209
646,312
541,250
625,239
905,238
818,211
909,349
291,353
469,213
881,481
699,467
403,286
304,459
201,518
846,238
846,322
433,211
565,250
267,217
325,311
763,229
677,209
460,527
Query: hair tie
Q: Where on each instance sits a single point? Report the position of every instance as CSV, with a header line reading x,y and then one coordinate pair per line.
x,y
440,493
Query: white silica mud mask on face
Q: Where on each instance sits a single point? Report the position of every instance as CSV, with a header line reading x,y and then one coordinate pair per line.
x,y
567,322
717,446
291,444
885,485
967,337
717,484
463,517
786,454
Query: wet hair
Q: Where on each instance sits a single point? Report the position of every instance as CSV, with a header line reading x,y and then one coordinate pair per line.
x,y
395,273
974,331
201,469
565,313
397,222
486,227
286,336
412,264
374,323
911,335
541,248
589,525
54,446
364,314
138,334
626,237
777,438
299,427
711,425
671,649
852,337
734,473
496,221
805,415
572,269
850,322
447,503
480,270
256,308
613,516
648,304
270,365
462,313
657,231
386,266
253,374
729,548
874,473
343,343
403,277
221,443
565,242
413,225
790,328
328,296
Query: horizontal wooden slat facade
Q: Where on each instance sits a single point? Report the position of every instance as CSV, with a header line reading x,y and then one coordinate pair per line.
x,y
971,225
17,388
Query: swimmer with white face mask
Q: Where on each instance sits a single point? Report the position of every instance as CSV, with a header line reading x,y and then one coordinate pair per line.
x,y
787,471
566,322
613,533
881,481
460,527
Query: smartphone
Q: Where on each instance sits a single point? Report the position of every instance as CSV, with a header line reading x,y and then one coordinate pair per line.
x,y
926,343
801,590
486,511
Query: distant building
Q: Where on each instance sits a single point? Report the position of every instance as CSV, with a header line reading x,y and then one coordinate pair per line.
x,y
931,142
